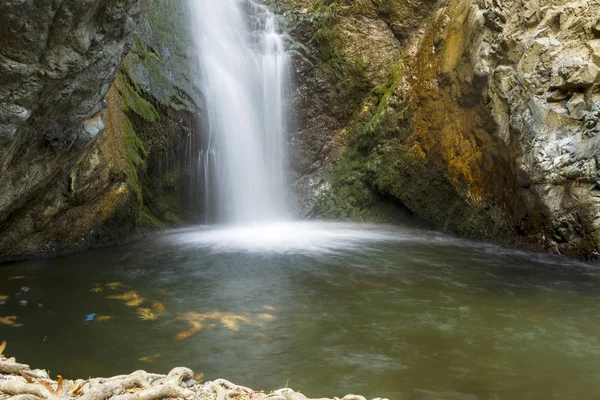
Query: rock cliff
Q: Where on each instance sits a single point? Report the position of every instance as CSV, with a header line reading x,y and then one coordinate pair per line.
x,y
480,116
92,149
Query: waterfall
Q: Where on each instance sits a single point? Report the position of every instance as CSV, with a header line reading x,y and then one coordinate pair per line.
x,y
245,73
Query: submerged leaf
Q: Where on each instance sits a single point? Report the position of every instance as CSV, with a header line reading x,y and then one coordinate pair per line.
x,y
228,320
10,321
2,347
196,327
270,308
13,278
149,359
97,288
3,298
146,314
135,302
103,318
125,296
114,285
132,299
267,317
158,307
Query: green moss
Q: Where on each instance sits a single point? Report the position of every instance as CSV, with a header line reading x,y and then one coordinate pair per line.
x,y
134,102
172,177
147,220
135,153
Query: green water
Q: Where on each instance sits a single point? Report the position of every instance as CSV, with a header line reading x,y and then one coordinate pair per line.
x,y
326,309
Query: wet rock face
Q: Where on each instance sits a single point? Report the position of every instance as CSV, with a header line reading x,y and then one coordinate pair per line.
x,y
91,123
57,61
479,116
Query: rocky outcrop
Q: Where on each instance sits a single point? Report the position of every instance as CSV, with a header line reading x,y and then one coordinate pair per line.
x,y
479,116
92,150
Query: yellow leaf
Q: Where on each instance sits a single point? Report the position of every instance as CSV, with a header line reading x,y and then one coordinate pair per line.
x,y
270,308
114,285
2,298
103,318
158,307
10,321
125,296
135,302
267,317
199,377
97,288
2,347
146,314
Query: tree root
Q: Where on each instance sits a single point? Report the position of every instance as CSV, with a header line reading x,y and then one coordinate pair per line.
x,y
19,382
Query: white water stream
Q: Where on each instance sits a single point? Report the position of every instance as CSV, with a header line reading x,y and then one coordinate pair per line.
x,y
245,73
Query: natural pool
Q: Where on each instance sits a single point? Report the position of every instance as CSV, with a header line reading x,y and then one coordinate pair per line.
x,y
327,309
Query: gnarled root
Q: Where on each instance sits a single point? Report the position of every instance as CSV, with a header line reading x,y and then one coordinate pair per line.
x,y
19,382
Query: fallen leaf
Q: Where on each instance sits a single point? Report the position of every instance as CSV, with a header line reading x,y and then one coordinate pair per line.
x,y
97,288
199,377
196,327
3,298
146,314
114,285
132,299
50,388
76,388
228,320
267,317
162,292
135,302
27,377
125,296
270,308
10,321
149,359
2,347
103,318
59,388
13,278
158,307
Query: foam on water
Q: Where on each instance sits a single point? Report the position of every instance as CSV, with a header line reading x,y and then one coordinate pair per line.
x,y
286,237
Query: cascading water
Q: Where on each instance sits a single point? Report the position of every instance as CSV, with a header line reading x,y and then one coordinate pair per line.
x,y
245,75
